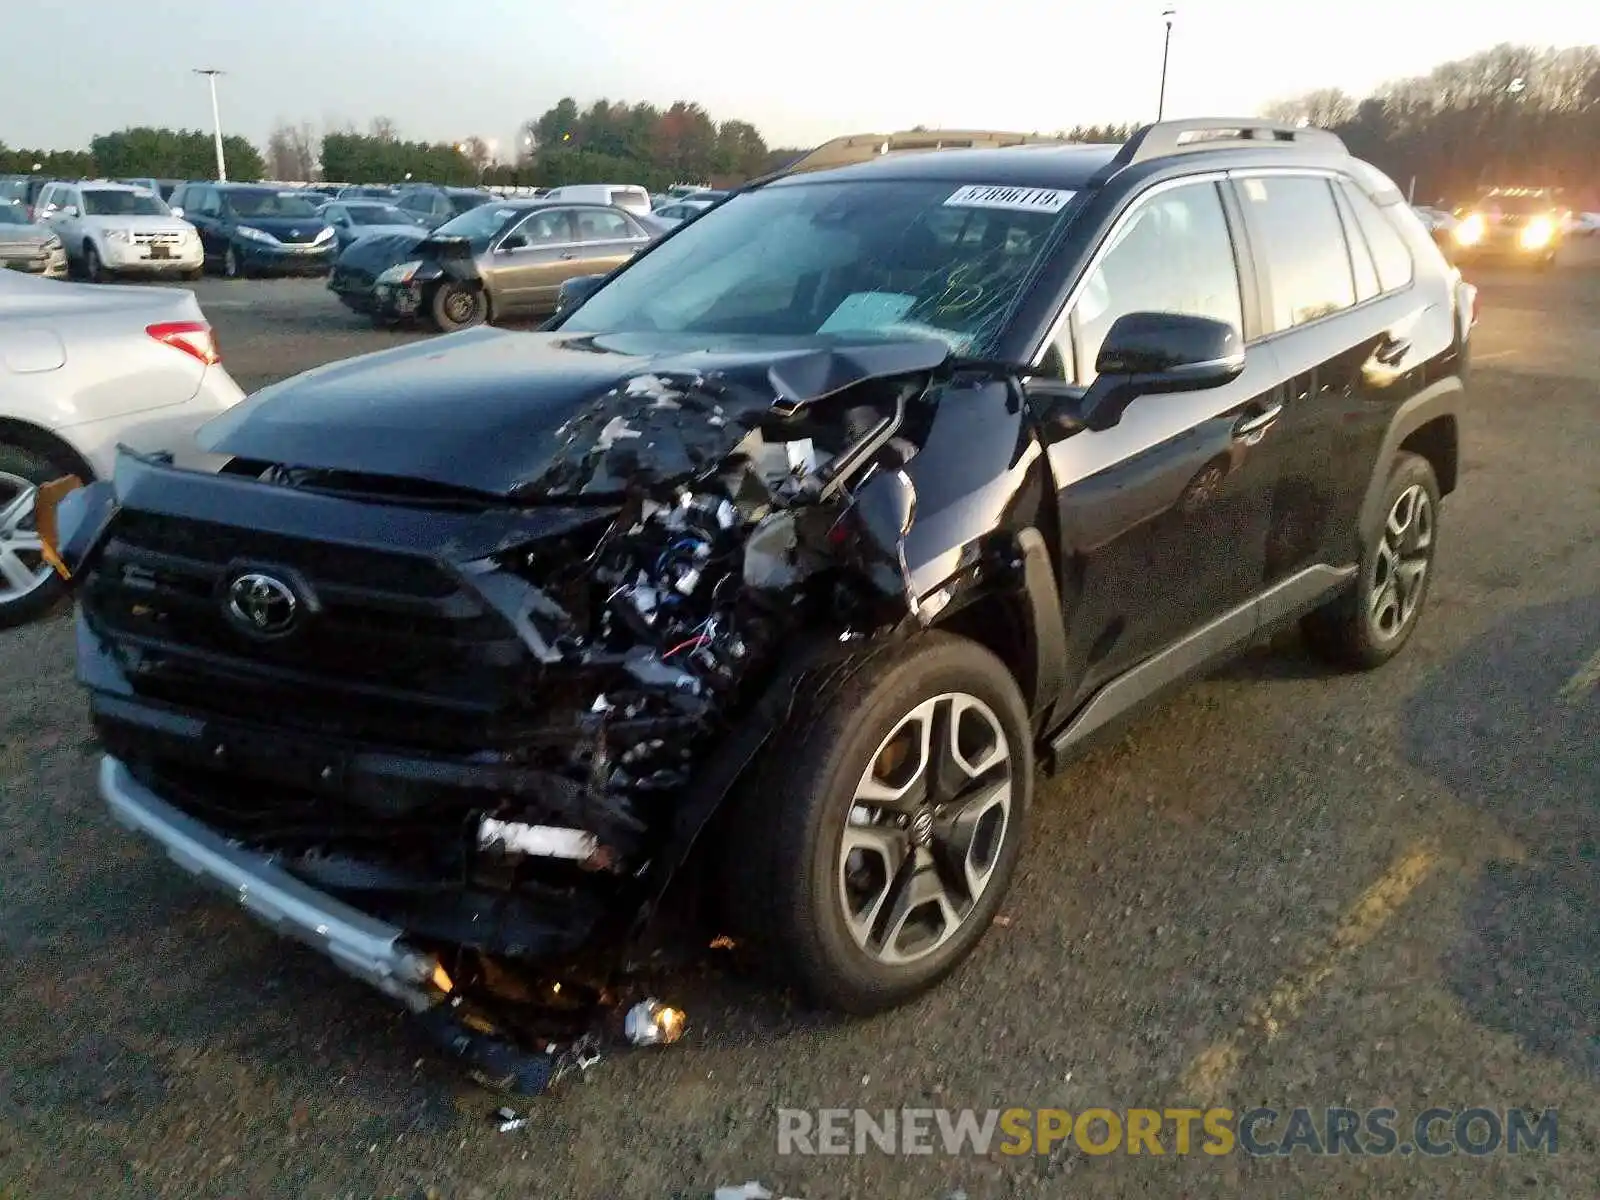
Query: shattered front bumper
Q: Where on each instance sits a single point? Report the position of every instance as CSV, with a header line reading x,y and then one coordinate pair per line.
x,y
370,950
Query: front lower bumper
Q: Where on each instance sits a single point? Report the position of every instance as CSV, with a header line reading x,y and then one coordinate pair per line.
x,y
364,947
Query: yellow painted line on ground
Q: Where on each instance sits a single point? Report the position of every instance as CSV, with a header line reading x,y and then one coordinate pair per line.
x,y
1581,684
1207,1078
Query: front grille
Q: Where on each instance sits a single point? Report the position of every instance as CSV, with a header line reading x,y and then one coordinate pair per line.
x,y
158,239
387,647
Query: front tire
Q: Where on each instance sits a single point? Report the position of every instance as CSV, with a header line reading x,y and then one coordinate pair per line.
x,y
1370,623
871,848
28,586
231,267
455,305
94,270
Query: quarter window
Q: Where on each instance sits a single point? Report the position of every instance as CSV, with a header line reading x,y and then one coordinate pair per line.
x,y
1174,255
1388,246
1360,256
1295,228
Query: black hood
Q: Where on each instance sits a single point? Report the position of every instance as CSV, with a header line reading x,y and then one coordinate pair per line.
x,y
374,255
536,416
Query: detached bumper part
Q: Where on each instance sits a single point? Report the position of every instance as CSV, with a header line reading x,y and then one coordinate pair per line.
x,y
370,950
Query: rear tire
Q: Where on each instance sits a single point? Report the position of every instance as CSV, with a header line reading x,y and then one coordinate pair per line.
x,y
863,901
28,587
1369,623
455,305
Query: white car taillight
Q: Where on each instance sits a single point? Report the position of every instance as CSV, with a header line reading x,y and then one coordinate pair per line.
x,y
192,337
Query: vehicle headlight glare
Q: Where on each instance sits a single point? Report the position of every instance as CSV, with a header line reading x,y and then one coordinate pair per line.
x,y
257,235
1470,231
1536,234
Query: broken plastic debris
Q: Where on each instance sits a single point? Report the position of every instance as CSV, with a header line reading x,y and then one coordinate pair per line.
x,y
615,430
652,1023
537,841
509,1120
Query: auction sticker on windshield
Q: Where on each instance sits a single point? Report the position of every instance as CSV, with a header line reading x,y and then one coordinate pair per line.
x,y
1020,199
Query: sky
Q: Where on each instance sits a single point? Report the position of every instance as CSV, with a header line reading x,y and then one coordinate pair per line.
x,y
801,73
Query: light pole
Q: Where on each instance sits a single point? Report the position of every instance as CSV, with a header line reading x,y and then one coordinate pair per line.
x,y
211,74
1166,48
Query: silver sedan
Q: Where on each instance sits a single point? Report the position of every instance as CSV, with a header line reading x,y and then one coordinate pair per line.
x,y
29,247
84,369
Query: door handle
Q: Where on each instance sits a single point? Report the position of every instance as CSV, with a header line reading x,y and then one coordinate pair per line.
x,y
1391,350
567,255
1257,421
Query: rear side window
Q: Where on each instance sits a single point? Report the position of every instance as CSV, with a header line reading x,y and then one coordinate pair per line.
x,y
1300,242
598,226
1360,256
1388,247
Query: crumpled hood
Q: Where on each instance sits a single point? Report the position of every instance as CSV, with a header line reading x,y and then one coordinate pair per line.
x,y
534,416
376,254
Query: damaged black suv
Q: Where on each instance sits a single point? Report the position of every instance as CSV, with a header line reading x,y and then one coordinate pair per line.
x,y
785,553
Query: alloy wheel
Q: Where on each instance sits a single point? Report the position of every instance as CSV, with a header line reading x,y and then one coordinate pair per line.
x,y
925,829
23,569
1400,569
460,305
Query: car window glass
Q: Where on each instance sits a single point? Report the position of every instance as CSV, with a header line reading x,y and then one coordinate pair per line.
x,y
596,225
1360,254
1388,247
211,202
1174,255
547,228
1301,245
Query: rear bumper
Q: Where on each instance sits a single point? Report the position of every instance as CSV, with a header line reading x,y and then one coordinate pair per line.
x,y
362,946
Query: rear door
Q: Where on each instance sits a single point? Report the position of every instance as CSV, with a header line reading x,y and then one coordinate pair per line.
x,y
607,238
1164,515
1342,337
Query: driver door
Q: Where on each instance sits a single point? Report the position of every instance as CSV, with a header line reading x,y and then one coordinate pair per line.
x,y
525,270
1164,515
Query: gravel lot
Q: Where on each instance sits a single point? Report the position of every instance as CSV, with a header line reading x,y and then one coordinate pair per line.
x,y
1283,888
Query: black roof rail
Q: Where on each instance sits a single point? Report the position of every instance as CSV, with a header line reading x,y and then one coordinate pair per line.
x,y
1166,138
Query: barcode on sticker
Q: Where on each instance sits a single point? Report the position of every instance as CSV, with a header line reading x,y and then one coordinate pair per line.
x,y
1020,199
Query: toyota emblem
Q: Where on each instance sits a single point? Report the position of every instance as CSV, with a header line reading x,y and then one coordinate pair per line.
x,y
262,604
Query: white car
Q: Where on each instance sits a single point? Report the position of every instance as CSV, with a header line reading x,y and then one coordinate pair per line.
x,y
116,229
82,370
673,215
623,195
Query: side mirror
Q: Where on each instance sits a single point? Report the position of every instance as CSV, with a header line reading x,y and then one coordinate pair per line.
x,y
69,210
177,210
514,241
1144,354
575,291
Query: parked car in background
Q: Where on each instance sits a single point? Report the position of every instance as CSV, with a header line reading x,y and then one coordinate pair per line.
x,y
83,370
497,261
623,195
673,215
23,190
355,219
28,246
367,191
1513,225
436,205
113,229
251,229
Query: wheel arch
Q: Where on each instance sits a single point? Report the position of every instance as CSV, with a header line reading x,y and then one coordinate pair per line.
x,y
1428,425
42,441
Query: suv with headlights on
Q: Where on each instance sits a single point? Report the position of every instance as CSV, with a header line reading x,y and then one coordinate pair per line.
x,y
779,560
1512,225
112,229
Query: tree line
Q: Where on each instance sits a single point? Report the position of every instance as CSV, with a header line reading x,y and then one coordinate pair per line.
x,y
1510,115
1507,117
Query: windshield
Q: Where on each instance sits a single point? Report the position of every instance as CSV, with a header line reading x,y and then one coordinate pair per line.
x,y
479,225
378,214
270,204
103,202
892,257
462,203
